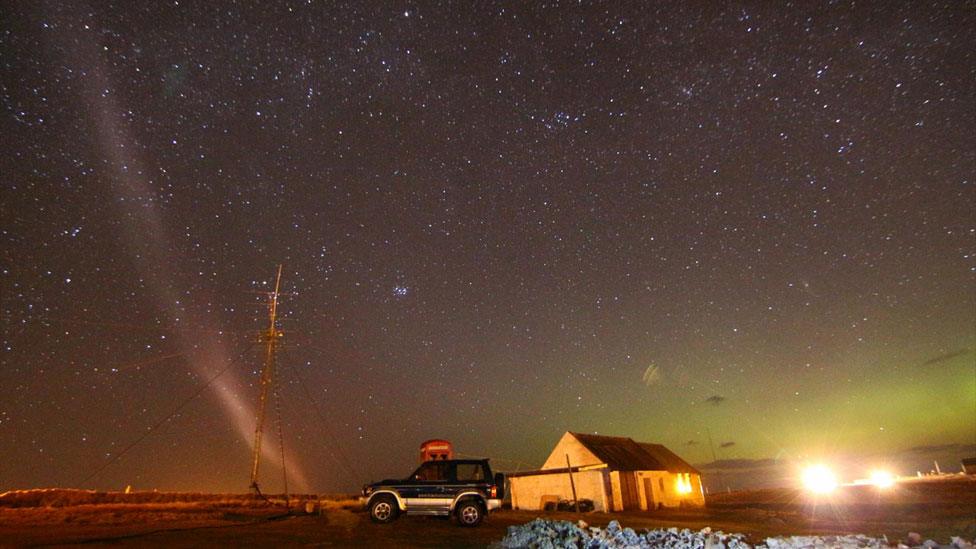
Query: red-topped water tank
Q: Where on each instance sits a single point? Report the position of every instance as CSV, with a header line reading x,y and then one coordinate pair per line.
x,y
435,449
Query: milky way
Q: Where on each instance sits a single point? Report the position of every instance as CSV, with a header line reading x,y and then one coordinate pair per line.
x,y
497,223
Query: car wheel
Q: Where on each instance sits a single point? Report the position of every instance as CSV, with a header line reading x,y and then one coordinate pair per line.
x,y
469,513
383,509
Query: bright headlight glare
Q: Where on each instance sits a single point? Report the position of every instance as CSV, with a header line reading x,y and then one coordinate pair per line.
x,y
882,479
819,479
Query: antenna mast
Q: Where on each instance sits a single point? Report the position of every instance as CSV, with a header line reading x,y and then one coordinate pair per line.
x,y
270,339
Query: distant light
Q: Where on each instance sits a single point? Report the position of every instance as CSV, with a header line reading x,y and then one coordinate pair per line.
x,y
882,479
819,479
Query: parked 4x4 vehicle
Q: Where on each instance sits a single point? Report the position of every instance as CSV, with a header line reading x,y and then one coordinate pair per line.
x,y
464,488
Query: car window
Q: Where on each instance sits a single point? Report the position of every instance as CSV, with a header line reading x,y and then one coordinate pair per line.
x,y
433,470
470,472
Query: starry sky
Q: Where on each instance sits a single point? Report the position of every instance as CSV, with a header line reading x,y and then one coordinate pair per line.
x,y
744,231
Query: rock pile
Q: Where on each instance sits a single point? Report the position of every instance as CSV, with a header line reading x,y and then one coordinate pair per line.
x,y
552,534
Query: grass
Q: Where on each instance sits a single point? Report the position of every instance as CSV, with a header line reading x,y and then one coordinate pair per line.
x,y
60,506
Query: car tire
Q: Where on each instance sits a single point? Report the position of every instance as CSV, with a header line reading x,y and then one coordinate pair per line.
x,y
469,513
383,509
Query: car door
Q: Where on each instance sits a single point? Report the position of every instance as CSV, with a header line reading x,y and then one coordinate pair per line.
x,y
426,489
467,476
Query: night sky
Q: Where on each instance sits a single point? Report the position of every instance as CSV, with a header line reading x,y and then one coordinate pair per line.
x,y
746,230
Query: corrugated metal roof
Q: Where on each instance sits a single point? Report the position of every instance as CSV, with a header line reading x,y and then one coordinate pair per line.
x,y
624,454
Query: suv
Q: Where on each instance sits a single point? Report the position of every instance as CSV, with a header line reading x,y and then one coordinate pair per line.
x,y
464,488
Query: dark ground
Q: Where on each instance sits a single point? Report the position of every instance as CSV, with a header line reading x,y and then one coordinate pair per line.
x,y
936,510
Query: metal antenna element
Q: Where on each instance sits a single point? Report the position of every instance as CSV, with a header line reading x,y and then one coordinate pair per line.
x,y
270,339
281,435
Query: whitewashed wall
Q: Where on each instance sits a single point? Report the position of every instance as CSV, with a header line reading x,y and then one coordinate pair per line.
x,y
579,456
530,492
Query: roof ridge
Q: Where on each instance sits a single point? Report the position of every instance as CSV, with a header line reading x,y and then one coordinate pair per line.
x,y
576,434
